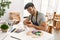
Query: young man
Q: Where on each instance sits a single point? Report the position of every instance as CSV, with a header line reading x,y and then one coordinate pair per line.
x,y
36,19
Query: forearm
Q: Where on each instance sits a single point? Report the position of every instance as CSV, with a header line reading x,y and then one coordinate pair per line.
x,y
39,27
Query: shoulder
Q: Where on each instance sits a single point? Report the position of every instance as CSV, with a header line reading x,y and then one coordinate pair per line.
x,y
41,14
42,17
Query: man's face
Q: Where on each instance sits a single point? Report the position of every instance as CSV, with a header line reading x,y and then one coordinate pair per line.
x,y
30,10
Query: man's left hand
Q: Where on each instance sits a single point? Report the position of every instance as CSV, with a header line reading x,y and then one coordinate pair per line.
x,y
30,25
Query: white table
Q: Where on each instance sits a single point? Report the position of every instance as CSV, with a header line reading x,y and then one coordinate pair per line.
x,y
23,36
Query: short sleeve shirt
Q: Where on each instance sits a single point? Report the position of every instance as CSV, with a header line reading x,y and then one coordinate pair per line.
x,y
40,18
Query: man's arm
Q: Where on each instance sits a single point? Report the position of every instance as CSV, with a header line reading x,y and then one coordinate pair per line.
x,y
41,27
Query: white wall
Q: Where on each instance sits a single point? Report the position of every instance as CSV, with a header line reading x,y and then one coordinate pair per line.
x,y
58,7
26,13
16,5
44,6
37,4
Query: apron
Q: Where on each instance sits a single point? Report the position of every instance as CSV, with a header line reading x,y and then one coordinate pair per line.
x,y
35,23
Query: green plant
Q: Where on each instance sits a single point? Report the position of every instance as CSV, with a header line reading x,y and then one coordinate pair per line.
x,y
3,5
4,26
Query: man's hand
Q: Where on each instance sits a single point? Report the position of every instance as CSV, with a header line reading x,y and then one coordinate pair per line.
x,y
28,22
30,25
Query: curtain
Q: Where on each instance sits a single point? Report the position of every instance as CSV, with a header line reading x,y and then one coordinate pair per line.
x,y
46,6
26,13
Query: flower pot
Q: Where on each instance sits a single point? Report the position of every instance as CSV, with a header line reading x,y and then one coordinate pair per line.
x,y
4,30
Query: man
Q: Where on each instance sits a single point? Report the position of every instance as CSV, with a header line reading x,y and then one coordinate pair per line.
x,y
36,19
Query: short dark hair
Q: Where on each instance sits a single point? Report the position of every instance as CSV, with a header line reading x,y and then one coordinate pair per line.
x,y
29,5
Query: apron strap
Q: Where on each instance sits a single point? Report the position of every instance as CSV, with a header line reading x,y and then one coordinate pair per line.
x,y
36,17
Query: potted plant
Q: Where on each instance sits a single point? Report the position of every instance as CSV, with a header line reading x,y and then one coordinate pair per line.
x,y
4,27
3,5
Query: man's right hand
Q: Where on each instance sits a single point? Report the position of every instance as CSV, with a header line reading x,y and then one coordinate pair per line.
x,y
28,22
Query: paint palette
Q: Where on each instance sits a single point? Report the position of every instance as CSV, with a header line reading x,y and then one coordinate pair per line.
x,y
36,32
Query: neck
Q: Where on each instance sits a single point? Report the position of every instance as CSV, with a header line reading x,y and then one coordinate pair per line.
x,y
35,13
